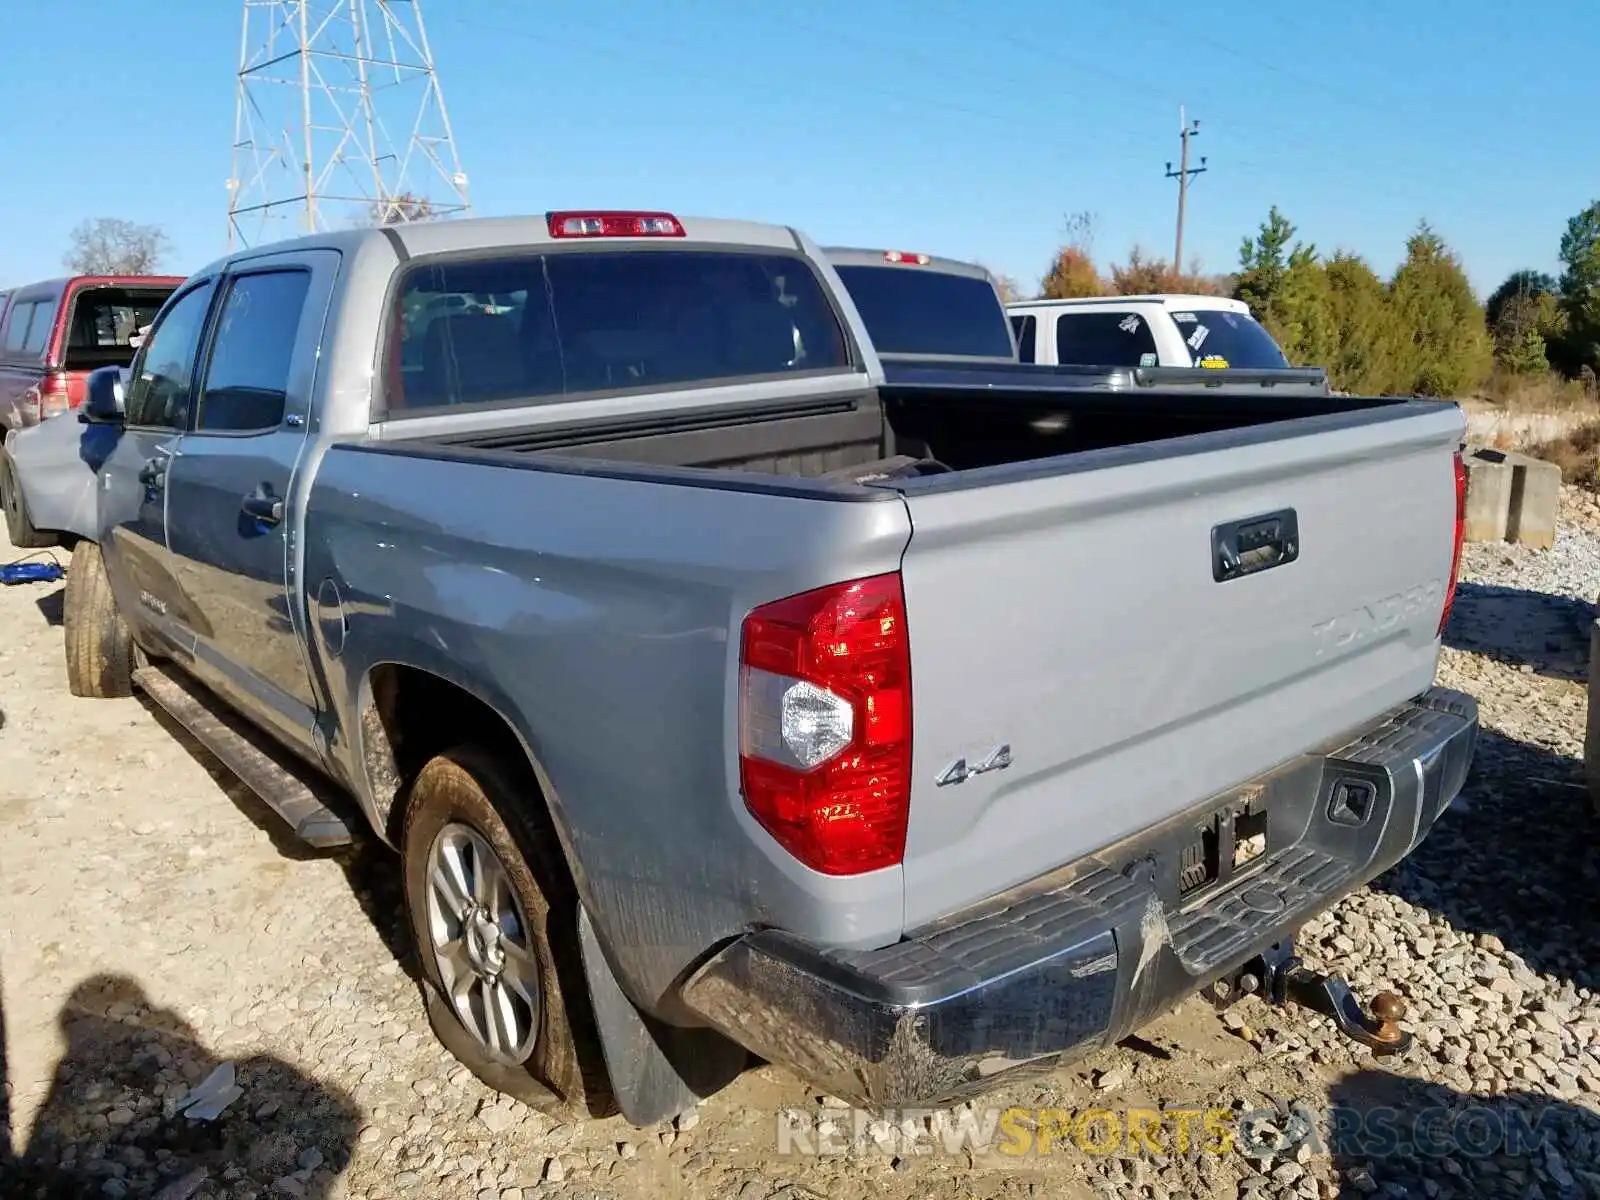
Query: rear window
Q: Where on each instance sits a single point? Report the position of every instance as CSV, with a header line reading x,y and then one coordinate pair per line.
x,y
1026,328
1105,339
104,321
519,328
912,310
1216,338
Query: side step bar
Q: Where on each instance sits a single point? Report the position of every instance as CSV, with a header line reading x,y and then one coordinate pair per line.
x,y
280,789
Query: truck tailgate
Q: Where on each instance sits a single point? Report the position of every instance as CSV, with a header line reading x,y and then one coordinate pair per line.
x,y
1069,610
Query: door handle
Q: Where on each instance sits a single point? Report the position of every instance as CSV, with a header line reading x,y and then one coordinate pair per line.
x,y
260,507
1255,544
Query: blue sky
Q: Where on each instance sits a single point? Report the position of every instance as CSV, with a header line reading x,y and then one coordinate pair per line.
x,y
946,126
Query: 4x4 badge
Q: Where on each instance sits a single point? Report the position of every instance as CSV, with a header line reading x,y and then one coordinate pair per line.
x,y
961,770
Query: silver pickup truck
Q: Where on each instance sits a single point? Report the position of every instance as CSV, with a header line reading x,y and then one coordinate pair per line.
x,y
725,689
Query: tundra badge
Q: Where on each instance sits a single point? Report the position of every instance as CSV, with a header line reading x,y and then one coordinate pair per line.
x,y
961,770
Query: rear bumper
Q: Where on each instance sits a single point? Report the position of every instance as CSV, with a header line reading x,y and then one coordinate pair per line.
x,y
1080,958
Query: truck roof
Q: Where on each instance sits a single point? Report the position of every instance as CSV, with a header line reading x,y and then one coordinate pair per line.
x,y
851,256
58,285
483,233
1178,300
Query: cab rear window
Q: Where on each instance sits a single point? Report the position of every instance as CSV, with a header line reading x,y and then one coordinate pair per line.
x,y
919,311
540,327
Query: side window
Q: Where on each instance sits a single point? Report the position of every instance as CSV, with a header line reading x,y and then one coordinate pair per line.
x,y
159,397
1105,339
246,383
1026,328
16,335
44,319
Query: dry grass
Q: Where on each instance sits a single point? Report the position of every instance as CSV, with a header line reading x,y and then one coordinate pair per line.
x,y
1577,454
1548,394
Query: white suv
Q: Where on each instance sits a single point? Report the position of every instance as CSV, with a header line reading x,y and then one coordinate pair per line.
x,y
1143,331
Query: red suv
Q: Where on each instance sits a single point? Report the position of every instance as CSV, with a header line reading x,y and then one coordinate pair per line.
x,y
53,334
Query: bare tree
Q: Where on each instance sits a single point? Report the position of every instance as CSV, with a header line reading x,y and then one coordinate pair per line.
x,y
109,246
1078,229
403,208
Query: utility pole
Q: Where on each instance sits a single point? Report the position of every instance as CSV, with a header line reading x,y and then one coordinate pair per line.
x,y
1186,129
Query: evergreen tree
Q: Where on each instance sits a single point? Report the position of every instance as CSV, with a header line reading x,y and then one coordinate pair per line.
x,y
1359,308
1443,346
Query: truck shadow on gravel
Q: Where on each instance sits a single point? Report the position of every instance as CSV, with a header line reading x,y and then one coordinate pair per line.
x,y
1392,1135
1516,858
1512,625
112,1125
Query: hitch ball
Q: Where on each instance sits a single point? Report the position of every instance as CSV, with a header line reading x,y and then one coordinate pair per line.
x,y
1390,1010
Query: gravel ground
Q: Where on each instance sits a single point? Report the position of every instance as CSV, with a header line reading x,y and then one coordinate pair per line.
x,y
156,924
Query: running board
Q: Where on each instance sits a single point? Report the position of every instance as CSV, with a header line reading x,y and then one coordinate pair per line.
x,y
280,789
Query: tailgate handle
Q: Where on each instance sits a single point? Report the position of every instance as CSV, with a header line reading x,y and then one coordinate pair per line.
x,y
1254,544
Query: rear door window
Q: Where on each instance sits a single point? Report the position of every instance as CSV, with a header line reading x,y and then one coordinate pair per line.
x,y
540,327
1218,338
27,328
39,329
917,310
1026,328
16,330
247,376
1105,339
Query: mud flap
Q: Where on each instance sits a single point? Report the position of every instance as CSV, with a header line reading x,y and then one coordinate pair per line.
x,y
657,1071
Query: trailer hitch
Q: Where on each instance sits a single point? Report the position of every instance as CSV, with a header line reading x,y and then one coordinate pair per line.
x,y
1279,977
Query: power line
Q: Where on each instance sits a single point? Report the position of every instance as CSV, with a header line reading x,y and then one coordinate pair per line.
x,y
1186,129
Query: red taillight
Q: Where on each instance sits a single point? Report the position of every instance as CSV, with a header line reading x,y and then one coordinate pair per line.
x,y
1455,557
900,256
614,224
825,724
54,395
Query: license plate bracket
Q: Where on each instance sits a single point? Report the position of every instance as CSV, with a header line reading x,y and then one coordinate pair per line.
x,y
1225,845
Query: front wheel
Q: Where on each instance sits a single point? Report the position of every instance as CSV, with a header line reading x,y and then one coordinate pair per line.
x,y
494,917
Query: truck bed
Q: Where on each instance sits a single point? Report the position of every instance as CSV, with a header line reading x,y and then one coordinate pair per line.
x,y
942,426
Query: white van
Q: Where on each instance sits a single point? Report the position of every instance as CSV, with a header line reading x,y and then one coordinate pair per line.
x,y
1143,331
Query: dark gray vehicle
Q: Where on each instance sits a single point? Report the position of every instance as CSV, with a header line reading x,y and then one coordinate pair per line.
x,y
724,687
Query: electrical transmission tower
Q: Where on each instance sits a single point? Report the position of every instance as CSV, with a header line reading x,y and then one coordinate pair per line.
x,y
339,122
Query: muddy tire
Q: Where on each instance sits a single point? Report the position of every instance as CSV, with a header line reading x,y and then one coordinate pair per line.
x,y
18,527
100,650
498,944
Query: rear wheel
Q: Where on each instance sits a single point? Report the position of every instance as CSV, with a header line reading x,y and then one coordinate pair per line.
x,y
100,649
494,918
18,527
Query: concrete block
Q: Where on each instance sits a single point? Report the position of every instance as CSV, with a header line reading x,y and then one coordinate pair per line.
x,y
1489,479
1535,501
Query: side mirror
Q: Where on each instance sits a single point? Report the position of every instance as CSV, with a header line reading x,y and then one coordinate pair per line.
x,y
103,403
